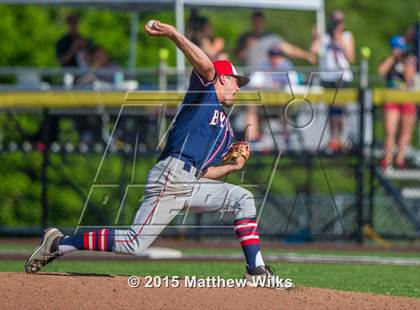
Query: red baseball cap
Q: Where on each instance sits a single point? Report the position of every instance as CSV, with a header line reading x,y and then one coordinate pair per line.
x,y
226,67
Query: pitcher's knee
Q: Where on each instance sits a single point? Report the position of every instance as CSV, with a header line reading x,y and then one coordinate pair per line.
x,y
246,205
132,244
130,247
135,247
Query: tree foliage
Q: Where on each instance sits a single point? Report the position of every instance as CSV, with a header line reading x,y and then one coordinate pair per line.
x,y
28,33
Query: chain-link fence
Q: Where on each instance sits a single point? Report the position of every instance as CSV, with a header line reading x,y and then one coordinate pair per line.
x,y
394,189
76,166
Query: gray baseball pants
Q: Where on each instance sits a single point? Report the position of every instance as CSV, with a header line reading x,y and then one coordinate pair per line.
x,y
170,189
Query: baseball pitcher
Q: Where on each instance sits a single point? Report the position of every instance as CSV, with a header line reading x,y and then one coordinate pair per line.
x,y
187,173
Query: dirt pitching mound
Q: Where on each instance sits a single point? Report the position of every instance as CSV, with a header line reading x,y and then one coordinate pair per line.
x,y
70,291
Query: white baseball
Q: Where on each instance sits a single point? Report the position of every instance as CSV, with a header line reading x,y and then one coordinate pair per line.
x,y
151,23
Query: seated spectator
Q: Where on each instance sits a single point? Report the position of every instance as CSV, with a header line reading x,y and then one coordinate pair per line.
x,y
252,47
71,48
338,52
399,70
100,58
275,74
96,59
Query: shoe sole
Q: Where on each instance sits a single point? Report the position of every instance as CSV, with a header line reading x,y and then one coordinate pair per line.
x,y
33,264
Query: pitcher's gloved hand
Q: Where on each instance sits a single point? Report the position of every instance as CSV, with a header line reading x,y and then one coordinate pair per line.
x,y
237,149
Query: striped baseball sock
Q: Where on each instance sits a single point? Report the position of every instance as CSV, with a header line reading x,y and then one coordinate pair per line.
x,y
246,230
94,240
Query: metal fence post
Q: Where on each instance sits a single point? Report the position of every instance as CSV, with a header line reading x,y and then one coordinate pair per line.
x,y
363,88
134,29
163,86
372,188
44,148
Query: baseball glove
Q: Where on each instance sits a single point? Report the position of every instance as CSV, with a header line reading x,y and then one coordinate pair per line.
x,y
237,149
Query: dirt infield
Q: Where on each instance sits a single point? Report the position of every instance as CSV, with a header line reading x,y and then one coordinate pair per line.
x,y
70,291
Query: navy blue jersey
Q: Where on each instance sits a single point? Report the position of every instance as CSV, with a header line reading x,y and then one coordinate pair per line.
x,y
201,133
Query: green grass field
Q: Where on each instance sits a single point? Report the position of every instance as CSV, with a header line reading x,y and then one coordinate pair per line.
x,y
25,247
304,252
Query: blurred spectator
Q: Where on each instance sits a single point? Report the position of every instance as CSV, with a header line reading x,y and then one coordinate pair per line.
x,y
97,58
275,74
337,52
252,47
399,70
211,45
248,39
70,52
71,48
412,36
191,25
202,35
222,56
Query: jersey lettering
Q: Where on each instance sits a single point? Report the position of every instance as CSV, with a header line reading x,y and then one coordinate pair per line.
x,y
215,118
218,116
222,119
201,132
